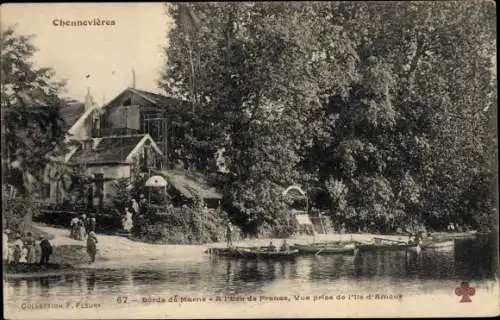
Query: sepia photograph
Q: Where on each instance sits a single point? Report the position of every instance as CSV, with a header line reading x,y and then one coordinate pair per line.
x,y
249,160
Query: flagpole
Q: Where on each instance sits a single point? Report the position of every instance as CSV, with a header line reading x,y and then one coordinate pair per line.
x,y
133,78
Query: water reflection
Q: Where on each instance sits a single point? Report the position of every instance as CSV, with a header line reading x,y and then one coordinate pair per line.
x,y
91,281
468,260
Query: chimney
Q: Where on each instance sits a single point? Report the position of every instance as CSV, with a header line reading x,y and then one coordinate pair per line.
x,y
88,100
133,78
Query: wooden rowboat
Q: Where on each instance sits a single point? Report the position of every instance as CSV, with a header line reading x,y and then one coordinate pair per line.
x,y
318,249
252,253
385,244
443,236
438,245
376,247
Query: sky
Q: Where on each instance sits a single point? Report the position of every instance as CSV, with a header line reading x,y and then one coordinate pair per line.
x,y
106,53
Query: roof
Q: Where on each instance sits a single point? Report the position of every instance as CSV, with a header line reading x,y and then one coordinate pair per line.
x,y
154,98
113,149
189,186
72,112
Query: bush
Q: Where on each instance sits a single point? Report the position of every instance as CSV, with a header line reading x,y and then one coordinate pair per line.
x,y
17,214
187,224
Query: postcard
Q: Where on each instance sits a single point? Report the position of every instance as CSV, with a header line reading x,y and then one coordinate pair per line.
x,y
249,160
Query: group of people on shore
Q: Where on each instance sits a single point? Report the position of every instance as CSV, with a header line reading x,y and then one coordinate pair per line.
x,y
81,226
24,249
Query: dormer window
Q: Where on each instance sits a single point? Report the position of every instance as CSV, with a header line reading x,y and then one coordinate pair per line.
x,y
96,126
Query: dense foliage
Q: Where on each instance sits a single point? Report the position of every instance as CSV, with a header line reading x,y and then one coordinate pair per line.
x,y
385,109
31,122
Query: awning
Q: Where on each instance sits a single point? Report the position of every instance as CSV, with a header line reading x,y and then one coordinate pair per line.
x,y
156,182
189,187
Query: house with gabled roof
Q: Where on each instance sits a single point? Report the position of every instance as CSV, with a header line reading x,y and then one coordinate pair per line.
x,y
127,137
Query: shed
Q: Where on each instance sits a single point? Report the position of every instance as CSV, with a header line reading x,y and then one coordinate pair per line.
x,y
190,186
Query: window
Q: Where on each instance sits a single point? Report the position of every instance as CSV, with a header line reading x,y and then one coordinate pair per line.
x,y
96,127
154,125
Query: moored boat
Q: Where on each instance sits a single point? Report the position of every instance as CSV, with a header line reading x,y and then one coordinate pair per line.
x,y
256,253
324,248
385,244
443,236
375,247
438,245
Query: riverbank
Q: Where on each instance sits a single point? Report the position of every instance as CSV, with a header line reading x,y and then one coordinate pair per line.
x,y
121,252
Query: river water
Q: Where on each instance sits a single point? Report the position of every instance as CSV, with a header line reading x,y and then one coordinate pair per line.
x,y
392,274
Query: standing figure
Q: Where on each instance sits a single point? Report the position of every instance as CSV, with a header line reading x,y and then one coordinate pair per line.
x,y
127,223
74,228
18,249
24,255
92,246
229,233
271,247
141,225
135,206
143,204
86,223
46,249
29,243
77,230
284,246
81,229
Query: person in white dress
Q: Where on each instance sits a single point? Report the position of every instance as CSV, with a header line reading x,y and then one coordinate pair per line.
x,y
135,206
24,255
18,249
127,220
74,228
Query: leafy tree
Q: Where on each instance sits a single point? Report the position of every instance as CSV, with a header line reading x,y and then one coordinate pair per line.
x,y
378,104
31,124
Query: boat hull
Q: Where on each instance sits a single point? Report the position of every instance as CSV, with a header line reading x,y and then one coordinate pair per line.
x,y
324,249
245,253
386,247
439,245
445,236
